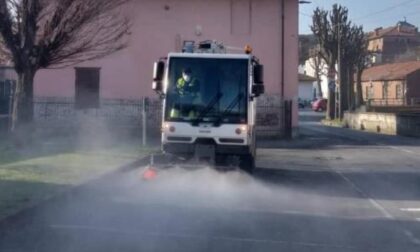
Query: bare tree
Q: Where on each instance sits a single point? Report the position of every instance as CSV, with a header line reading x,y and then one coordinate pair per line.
x,y
54,34
344,44
361,55
325,28
317,63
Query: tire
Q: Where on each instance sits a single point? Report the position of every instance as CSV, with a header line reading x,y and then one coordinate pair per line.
x,y
247,163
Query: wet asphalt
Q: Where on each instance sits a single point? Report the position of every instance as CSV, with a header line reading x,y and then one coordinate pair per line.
x,y
331,189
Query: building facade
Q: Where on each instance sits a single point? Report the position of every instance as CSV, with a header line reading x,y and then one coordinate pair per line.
x,y
395,43
160,27
395,84
116,86
307,88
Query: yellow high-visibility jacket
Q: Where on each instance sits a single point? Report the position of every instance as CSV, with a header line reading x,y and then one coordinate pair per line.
x,y
191,87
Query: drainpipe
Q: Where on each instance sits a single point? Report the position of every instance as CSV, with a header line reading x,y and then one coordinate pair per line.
x,y
283,13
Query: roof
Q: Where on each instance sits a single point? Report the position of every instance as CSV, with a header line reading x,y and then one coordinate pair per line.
x,y
395,71
408,30
304,77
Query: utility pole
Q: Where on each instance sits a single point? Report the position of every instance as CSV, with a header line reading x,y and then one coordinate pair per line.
x,y
340,84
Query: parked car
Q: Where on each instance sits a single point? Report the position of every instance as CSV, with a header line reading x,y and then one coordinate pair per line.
x,y
319,105
301,104
304,103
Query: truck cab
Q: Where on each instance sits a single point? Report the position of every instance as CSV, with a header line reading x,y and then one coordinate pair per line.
x,y
209,104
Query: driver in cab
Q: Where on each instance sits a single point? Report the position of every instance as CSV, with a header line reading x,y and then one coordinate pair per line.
x,y
188,89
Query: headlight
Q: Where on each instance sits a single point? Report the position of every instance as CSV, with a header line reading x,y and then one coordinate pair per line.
x,y
241,129
167,127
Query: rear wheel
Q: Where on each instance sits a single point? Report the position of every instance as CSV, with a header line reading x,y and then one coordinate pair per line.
x,y
247,163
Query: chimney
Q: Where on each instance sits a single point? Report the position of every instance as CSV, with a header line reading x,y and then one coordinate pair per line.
x,y
377,30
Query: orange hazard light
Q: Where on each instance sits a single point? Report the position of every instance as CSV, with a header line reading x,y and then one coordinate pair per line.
x,y
150,174
248,49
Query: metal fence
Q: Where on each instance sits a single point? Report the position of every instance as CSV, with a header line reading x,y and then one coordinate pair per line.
x,y
270,116
124,113
141,116
6,101
144,115
393,102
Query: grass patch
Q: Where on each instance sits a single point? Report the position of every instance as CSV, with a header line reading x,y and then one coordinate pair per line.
x,y
37,171
334,123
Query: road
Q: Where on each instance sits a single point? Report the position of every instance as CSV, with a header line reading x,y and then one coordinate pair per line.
x,y
330,190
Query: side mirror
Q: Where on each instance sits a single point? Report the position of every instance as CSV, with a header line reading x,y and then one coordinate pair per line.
x,y
258,89
258,86
158,75
259,74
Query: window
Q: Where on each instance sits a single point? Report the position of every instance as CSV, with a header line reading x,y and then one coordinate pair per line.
x,y
398,92
385,90
369,92
87,88
240,17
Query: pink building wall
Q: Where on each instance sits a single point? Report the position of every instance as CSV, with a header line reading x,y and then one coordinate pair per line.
x,y
160,26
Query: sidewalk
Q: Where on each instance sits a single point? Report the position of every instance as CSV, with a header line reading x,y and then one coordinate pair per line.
x,y
47,167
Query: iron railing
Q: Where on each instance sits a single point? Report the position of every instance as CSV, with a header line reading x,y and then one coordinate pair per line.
x,y
393,102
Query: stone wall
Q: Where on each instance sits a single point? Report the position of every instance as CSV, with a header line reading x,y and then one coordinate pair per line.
x,y
373,122
407,124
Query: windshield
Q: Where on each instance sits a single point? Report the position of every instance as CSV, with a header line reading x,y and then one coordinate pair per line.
x,y
207,90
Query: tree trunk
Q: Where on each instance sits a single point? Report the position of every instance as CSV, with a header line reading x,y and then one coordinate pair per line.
x,y
22,110
350,90
319,86
331,93
359,95
344,85
318,70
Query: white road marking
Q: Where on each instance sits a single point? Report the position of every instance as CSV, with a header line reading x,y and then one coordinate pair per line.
x,y
398,148
375,203
410,209
412,237
382,209
378,206
197,237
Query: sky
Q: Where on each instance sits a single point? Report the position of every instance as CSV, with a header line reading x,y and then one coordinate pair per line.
x,y
369,13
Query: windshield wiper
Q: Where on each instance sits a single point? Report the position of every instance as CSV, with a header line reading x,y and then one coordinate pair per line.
x,y
208,108
233,104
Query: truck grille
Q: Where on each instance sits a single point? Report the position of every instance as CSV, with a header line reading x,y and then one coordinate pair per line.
x,y
231,140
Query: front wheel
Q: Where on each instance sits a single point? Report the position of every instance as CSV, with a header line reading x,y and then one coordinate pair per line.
x,y
247,163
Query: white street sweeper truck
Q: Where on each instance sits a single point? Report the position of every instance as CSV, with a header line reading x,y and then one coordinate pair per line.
x,y
209,104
